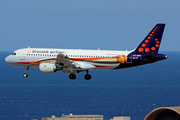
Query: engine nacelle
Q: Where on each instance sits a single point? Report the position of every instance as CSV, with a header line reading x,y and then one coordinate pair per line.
x,y
47,68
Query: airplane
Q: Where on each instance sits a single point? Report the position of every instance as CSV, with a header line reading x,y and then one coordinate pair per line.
x,y
73,61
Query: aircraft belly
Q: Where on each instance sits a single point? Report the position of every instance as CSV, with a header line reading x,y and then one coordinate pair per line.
x,y
105,66
26,65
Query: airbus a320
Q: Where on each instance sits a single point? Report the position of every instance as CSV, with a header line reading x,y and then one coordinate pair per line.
x,y
73,61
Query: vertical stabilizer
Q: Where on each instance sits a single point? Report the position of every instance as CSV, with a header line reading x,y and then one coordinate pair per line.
x,y
152,41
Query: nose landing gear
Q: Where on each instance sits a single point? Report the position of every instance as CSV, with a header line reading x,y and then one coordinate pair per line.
x,y
26,74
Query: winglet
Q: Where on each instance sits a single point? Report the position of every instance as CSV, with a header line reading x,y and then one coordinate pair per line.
x,y
152,41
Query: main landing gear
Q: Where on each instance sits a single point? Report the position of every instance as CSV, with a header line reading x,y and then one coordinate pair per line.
x,y
26,74
87,76
72,76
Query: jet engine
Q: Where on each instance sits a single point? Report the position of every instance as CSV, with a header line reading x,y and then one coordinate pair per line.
x,y
47,68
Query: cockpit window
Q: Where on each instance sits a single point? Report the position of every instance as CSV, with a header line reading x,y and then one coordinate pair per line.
x,y
14,54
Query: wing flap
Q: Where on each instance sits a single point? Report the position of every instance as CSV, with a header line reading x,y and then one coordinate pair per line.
x,y
84,65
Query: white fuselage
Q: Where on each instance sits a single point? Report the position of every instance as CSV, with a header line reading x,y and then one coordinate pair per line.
x,y
32,57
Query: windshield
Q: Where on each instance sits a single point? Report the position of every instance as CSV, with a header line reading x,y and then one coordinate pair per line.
x,y
14,53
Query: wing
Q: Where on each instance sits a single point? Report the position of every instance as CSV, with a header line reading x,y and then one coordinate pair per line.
x,y
66,61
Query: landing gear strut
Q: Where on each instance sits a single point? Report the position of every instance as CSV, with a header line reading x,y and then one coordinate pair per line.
x,y
87,76
26,74
72,76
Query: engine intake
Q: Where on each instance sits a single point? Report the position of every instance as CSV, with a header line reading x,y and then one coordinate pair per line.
x,y
47,68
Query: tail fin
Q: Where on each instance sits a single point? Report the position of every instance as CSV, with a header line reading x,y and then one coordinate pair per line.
x,y
152,41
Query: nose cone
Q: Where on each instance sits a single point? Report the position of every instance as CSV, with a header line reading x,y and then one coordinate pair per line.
x,y
8,60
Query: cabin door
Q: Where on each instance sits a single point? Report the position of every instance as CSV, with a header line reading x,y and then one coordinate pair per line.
x,y
22,57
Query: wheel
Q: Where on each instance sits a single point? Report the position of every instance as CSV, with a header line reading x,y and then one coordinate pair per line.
x,y
25,75
87,77
72,76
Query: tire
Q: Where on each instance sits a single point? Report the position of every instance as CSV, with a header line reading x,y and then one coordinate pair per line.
x,y
72,76
87,77
25,75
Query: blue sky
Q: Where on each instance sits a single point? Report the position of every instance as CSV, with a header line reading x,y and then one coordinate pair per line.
x,y
86,24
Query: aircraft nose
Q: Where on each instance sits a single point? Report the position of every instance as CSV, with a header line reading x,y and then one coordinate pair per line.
x,y
7,59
